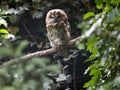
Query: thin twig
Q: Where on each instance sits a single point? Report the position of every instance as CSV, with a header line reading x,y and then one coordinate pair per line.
x,y
26,29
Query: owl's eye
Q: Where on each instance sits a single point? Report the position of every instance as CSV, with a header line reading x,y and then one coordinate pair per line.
x,y
51,17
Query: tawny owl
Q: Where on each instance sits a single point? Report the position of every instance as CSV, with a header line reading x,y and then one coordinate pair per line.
x,y
58,28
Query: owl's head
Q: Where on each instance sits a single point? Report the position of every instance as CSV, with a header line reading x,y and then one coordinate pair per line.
x,y
56,16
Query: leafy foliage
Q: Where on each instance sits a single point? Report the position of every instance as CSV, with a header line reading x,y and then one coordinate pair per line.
x,y
89,14
29,75
104,45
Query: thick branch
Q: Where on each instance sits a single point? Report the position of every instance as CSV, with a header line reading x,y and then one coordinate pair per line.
x,y
52,50
39,53
29,56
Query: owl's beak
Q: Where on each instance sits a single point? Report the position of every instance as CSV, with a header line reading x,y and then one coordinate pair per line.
x,y
54,20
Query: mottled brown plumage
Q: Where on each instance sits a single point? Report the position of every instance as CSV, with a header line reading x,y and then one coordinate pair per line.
x,y
58,28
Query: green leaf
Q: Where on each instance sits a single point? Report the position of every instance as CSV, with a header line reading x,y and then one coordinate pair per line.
x,y
89,83
92,66
89,14
91,43
80,45
2,21
95,72
100,6
3,31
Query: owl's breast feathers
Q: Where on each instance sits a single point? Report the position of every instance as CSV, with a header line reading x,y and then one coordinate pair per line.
x,y
57,33
56,26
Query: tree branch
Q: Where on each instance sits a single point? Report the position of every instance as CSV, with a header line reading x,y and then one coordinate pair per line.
x,y
53,50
